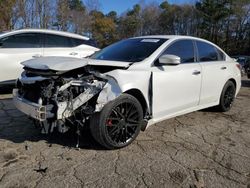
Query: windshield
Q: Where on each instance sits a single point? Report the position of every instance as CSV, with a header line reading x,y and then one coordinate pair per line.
x,y
130,50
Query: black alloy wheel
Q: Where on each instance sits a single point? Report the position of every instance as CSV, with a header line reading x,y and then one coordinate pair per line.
x,y
227,97
122,123
119,122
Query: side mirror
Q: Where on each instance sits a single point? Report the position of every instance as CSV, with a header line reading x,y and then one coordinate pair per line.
x,y
169,60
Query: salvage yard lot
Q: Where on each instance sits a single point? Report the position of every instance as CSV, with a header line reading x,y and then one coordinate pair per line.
x,y
201,149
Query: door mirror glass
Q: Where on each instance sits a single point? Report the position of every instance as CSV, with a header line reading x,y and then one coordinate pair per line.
x,y
169,60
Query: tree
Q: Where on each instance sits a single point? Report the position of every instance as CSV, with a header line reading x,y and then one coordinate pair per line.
x,y
78,16
76,5
149,15
63,15
72,16
166,18
43,14
240,26
22,14
131,23
225,22
213,13
103,28
92,5
6,14
113,16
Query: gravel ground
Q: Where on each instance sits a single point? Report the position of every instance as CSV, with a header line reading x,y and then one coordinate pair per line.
x,y
200,149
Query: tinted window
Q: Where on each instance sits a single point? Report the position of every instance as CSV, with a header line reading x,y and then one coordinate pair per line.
x,y
221,56
25,40
184,49
130,50
207,52
91,42
57,41
77,42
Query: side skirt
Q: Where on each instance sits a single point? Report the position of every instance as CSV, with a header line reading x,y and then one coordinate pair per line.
x,y
157,120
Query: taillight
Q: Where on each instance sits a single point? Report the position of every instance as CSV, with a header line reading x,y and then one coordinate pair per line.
x,y
238,65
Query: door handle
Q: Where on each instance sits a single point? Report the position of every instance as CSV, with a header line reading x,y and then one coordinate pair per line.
x,y
73,53
223,68
196,72
36,56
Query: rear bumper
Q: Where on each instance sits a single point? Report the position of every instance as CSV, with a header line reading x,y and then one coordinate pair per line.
x,y
36,111
238,84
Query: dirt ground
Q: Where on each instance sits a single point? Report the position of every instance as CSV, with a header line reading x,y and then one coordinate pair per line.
x,y
201,149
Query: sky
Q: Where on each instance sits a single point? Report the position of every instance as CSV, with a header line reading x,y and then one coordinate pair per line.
x,y
121,6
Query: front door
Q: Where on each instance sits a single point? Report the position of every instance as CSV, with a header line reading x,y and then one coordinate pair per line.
x,y
176,87
16,49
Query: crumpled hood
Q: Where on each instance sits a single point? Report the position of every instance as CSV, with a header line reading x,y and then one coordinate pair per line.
x,y
68,63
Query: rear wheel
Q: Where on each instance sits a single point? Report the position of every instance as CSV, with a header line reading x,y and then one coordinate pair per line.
x,y
119,122
227,97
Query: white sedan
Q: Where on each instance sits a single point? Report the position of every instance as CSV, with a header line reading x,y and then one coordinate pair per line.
x,y
127,86
20,45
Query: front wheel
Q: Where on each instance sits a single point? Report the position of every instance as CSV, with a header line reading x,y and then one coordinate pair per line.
x,y
227,97
119,122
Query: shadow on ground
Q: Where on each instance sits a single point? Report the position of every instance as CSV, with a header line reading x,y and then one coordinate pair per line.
x,y
17,128
6,89
20,130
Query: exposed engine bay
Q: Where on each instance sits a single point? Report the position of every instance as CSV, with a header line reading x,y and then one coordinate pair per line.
x,y
62,94
62,99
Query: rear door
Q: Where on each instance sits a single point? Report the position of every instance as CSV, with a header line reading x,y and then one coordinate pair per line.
x,y
214,72
15,49
176,87
83,47
56,45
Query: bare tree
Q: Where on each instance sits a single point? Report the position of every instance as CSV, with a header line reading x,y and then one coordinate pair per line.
x,y
44,11
63,15
6,10
225,22
149,15
92,5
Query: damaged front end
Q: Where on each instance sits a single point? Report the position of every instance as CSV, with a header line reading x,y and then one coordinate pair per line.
x,y
62,99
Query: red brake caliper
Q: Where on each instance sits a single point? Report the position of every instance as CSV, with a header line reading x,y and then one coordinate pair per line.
x,y
109,122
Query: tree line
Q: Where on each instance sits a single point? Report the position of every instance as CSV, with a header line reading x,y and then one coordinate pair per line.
x,y
224,22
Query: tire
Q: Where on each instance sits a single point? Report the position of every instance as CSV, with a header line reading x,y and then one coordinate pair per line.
x,y
119,122
227,97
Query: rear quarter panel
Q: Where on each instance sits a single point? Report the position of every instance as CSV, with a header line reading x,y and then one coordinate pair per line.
x,y
234,73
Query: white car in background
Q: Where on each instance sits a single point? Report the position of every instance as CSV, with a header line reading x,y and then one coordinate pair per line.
x,y
21,45
127,86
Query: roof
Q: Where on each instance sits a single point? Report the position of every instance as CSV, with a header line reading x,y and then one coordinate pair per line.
x,y
170,37
62,33
175,37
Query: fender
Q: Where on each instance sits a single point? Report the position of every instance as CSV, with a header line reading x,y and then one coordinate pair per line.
x,y
110,91
120,81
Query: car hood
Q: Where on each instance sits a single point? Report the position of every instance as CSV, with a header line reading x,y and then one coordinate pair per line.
x,y
68,63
